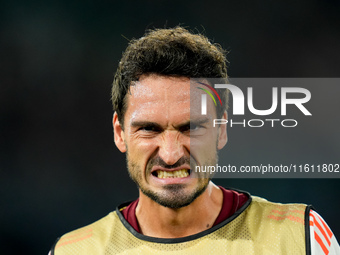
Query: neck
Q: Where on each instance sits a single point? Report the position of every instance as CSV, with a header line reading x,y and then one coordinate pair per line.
x,y
174,223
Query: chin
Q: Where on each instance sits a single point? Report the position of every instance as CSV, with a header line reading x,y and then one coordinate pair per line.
x,y
174,196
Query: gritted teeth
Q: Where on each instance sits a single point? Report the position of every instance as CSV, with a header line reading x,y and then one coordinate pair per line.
x,y
172,174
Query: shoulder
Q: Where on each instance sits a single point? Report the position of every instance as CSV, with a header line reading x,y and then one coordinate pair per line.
x,y
284,217
279,210
298,220
87,238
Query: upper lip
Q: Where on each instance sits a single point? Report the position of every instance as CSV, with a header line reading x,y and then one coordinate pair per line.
x,y
159,168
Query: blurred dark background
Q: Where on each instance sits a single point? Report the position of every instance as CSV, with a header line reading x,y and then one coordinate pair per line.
x,y
59,168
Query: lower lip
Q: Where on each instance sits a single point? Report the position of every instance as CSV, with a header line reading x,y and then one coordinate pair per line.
x,y
179,180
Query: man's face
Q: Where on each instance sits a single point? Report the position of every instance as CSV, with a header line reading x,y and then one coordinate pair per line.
x,y
157,137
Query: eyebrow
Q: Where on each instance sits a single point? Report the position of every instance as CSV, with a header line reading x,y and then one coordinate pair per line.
x,y
151,123
144,123
201,120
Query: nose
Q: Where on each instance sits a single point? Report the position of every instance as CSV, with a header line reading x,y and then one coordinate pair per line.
x,y
171,147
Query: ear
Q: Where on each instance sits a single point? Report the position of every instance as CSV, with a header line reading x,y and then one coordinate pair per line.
x,y
119,135
222,133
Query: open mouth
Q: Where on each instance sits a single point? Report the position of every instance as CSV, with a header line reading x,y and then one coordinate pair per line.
x,y
182,173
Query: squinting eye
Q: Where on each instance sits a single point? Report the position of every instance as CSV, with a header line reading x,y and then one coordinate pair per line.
x,y
149,129
194,127
190,128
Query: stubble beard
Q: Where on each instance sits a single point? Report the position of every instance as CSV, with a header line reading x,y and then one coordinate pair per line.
x,y
172,195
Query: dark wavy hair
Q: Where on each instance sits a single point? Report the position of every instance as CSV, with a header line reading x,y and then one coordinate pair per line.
x,y
172,52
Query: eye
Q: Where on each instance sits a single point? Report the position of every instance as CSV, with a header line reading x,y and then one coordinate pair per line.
x,y
149,128
194,127
190,127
